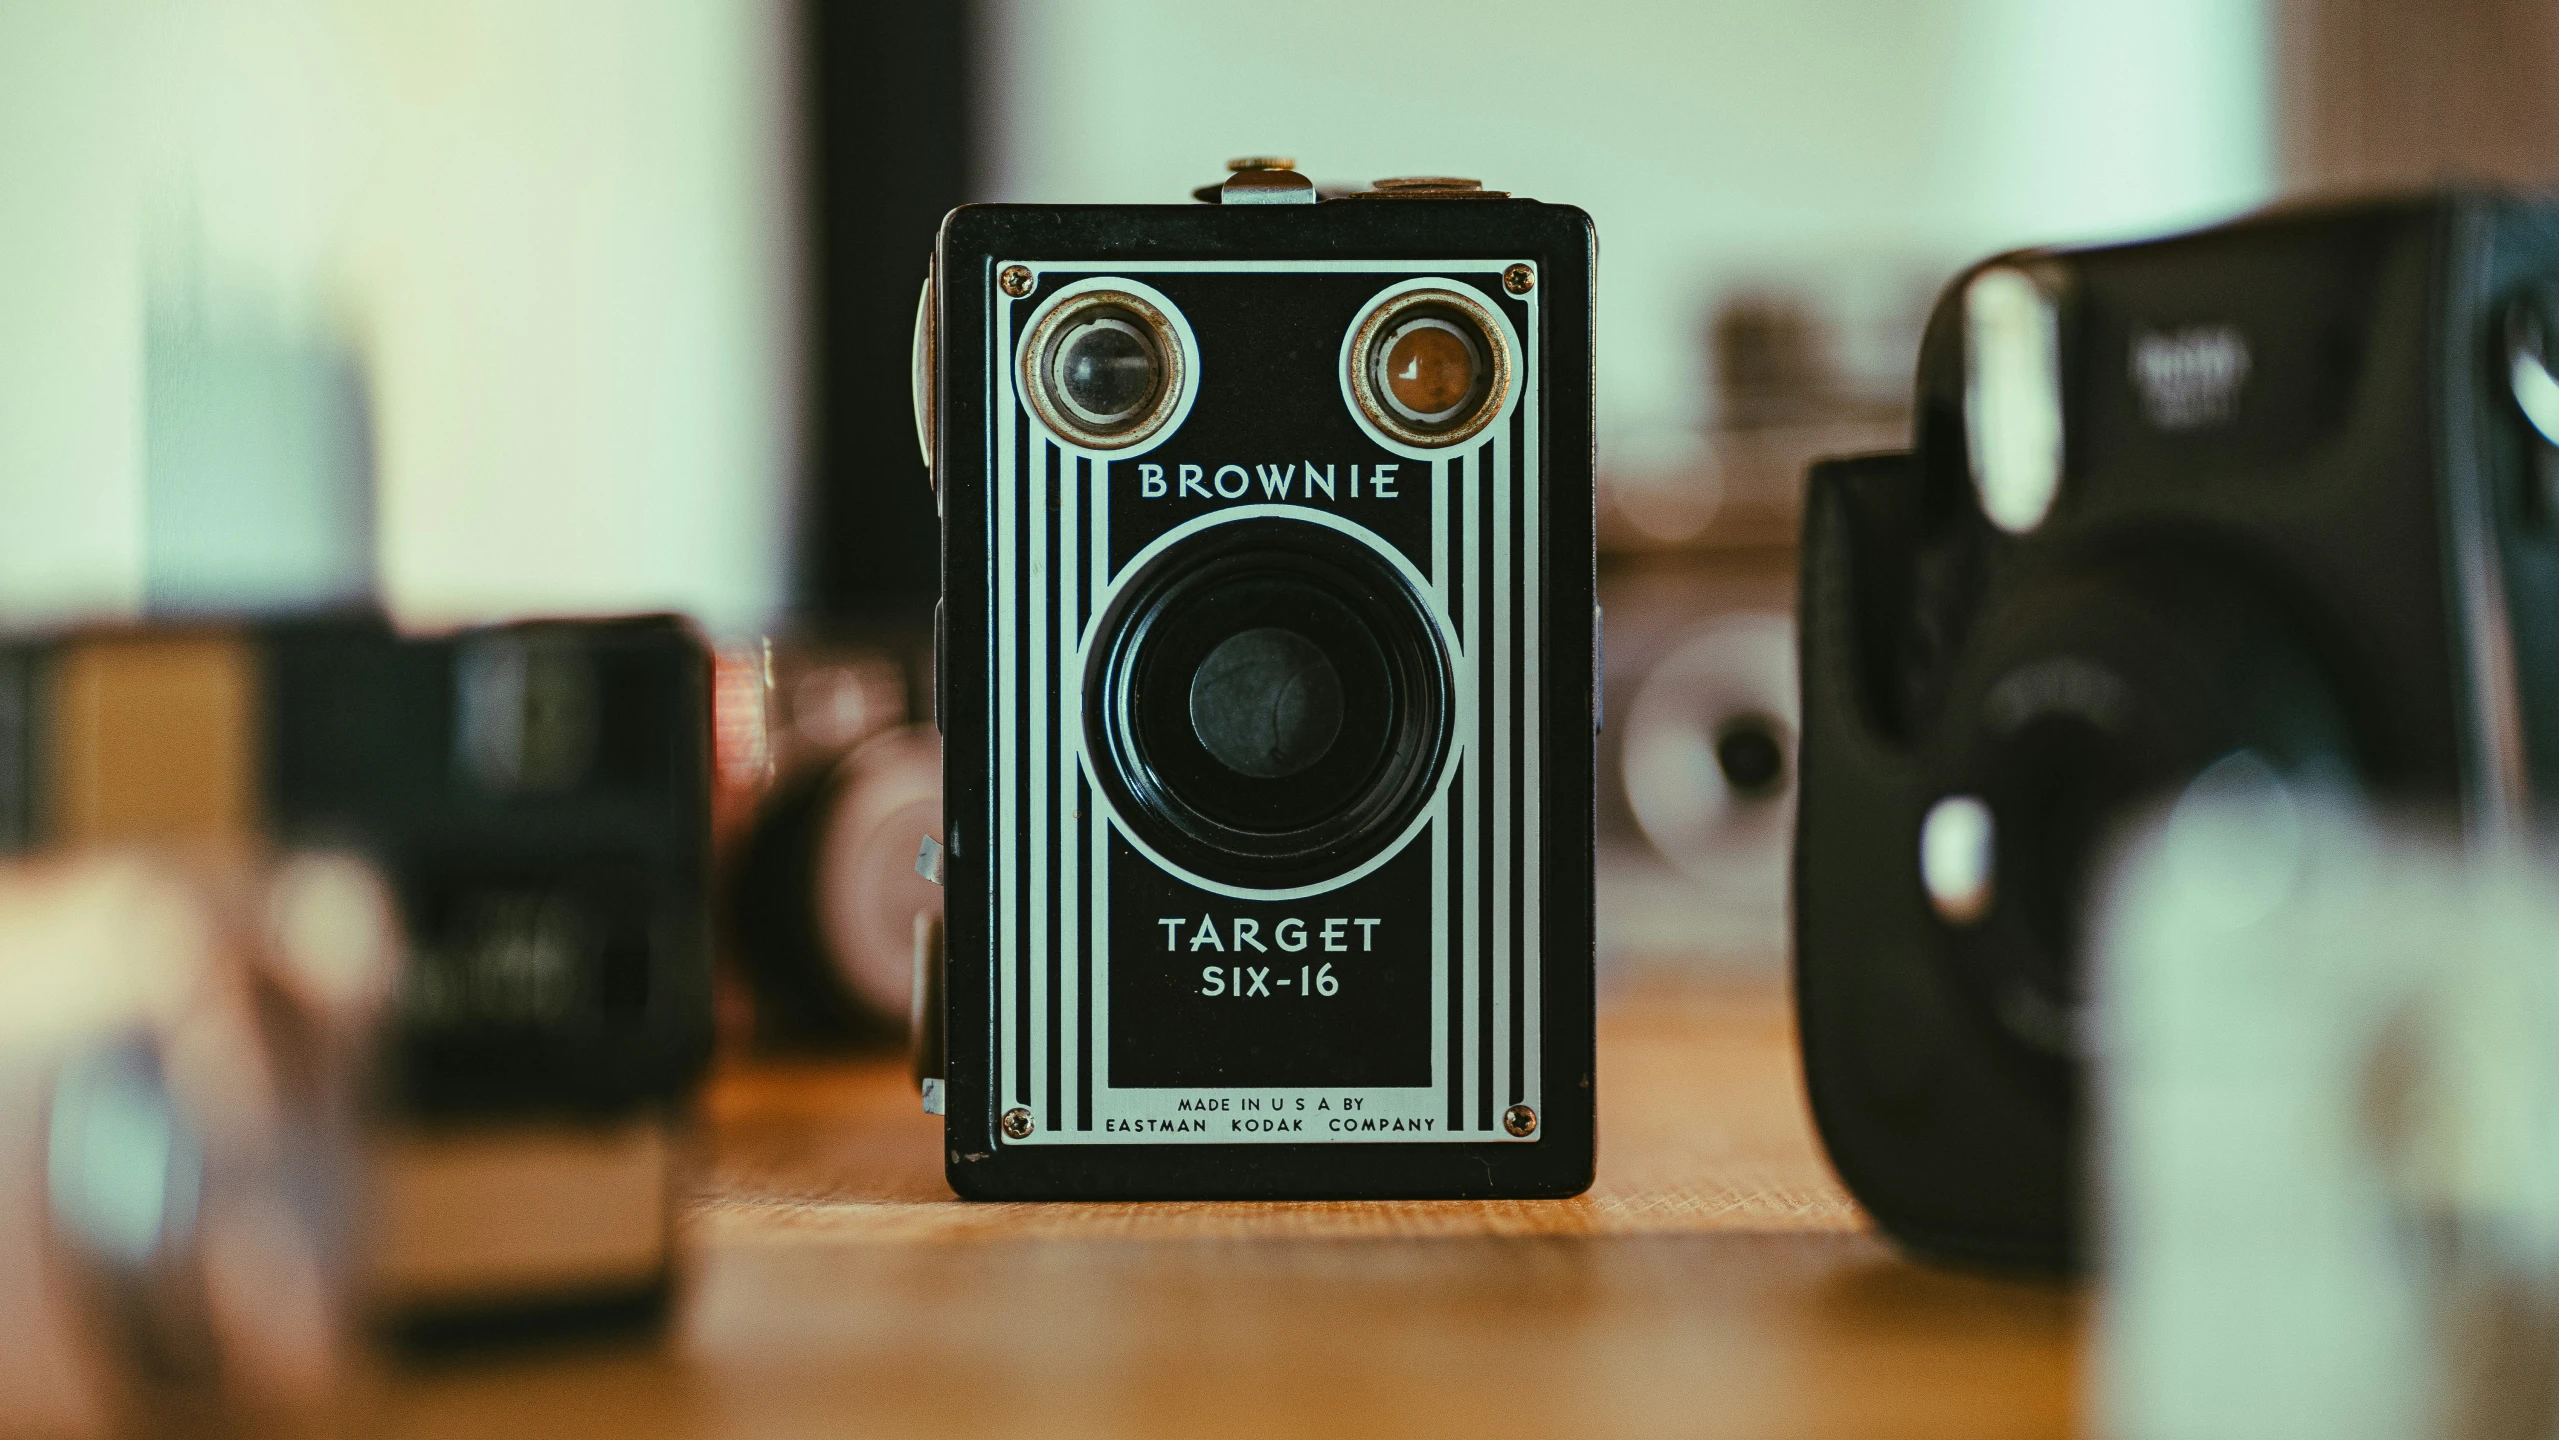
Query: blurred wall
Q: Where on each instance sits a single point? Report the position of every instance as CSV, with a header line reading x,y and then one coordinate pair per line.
x,y
2380,93
70,314
1713,141
555,242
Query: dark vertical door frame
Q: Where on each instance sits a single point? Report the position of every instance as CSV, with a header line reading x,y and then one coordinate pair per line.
x,y
891,144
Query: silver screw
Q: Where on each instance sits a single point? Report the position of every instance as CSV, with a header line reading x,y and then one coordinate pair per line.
x,y
1520,1121
1016,280
1018,1124
1519,279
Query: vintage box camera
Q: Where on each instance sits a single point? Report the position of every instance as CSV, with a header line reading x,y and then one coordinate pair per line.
x,y
536,798
2274,500
1266,690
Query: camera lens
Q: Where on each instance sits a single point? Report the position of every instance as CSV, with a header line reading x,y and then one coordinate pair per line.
x,y
1748,754
1265,729
2092,696
1430,367
1267,703
1706,760
1106,371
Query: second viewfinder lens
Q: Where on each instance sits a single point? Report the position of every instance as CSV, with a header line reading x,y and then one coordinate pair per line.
x,y
1430,366
1429,369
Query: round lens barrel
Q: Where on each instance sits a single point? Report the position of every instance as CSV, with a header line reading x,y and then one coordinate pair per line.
x,y
1270,701
1429,366
1748,752
2087,697
1106,369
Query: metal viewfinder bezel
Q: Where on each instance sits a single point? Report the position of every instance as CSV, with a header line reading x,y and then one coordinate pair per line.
x,y
1035,361
1381,319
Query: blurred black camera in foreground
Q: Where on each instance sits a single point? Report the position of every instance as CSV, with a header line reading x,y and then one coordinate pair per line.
x,y
2282,490
536,798
1266,689
182,1047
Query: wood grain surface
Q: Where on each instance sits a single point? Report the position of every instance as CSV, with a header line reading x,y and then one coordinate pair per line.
x,y
1716,1281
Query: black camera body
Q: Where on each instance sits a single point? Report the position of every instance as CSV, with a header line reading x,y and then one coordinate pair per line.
x,y
538,797
1266,662
2275,490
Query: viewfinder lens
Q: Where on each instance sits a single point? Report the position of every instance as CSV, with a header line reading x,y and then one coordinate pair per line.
x,y
1429,370
1429,366
1107,371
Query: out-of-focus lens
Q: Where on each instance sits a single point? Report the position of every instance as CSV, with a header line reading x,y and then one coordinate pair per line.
x,y
1709,753
1748,752
868,893
1107,371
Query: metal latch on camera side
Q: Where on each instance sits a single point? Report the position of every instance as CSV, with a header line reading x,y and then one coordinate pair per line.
x,y
924,1017
920,379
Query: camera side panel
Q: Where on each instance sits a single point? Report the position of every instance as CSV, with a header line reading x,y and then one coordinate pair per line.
x,y
1956,1141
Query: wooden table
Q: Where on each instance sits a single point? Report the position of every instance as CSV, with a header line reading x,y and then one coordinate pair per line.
x,y
1715,1281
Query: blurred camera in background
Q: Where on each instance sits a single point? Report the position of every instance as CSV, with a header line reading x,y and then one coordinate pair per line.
x,y
818,879
1697,577
1697,764
183,1053
535,798
2280,491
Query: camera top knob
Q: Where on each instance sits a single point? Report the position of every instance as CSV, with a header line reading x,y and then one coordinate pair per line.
x,y
1261,180
1430,187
